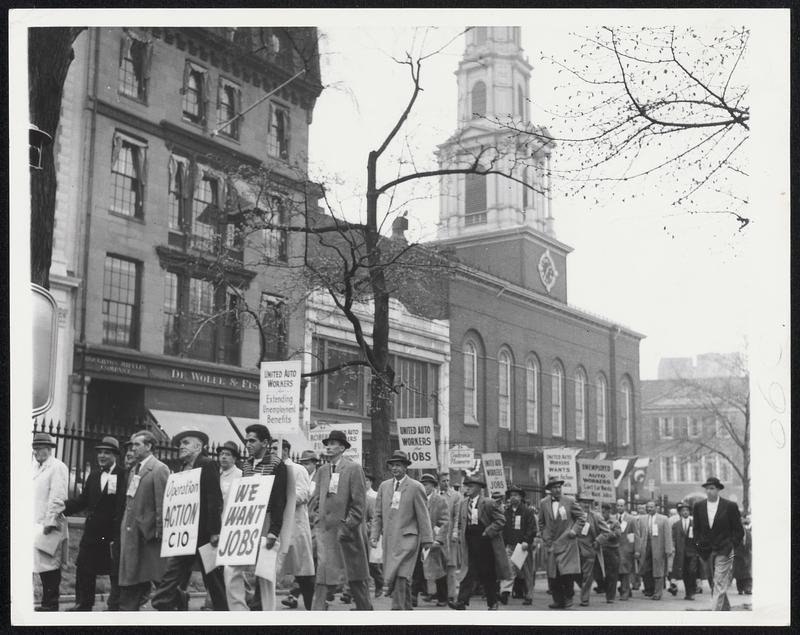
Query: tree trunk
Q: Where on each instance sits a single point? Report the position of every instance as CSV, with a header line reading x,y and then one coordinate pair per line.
x,y
746,457
49,57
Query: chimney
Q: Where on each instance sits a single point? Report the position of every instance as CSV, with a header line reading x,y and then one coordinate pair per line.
x,y
399,227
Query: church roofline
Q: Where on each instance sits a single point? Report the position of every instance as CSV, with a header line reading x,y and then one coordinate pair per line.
x,y
483,237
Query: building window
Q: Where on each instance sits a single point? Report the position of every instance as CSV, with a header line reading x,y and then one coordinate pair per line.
x,y
722,428
135,56
205,211
201,319
627,411
195,93
508,472
667,469
478,101
475,196
557,399
127,176
525,190
121,302
724,470
275,239
696,470
470,382
272,315
229,100
666,427
683,469
178,189
419,381
278,132
480,35
580,405
534,475
344,389
504,384
532,396
520,102
602,408
695,427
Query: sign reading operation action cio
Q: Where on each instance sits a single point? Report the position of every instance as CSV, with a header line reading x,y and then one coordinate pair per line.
x,y
180,514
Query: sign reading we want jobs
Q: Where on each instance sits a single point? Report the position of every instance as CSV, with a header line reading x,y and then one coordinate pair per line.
x,y
243,520
279,397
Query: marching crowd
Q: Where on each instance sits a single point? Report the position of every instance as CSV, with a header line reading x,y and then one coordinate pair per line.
x,y
412,538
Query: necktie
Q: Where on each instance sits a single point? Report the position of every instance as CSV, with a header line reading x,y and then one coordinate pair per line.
x,y
136,470
396,485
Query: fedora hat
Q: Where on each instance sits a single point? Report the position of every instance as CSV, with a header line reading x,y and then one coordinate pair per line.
x,y
713,481
337,435
552,482
473,480
231,447
108,443
308,456
190,432
584,498
683,505
429,478
398,456
515,488
42,438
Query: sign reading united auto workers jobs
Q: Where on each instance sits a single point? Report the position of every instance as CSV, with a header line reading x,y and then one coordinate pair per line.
x,y
180,514
560,463
416,439
596,479
279,397
462,457
495,475
243,520
352,431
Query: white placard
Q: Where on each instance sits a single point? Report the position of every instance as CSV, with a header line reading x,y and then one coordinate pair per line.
x,y
495,475
519,556
461,457
416,439
352,431
180,514
279,397
243,520
596,479
560,463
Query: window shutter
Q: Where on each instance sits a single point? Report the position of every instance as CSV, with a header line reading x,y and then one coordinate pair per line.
x,y
148,63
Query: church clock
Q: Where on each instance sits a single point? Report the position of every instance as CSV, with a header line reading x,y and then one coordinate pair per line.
x,y
547,270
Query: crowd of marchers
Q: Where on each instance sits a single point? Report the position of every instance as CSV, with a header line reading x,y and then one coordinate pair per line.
x,y
411,540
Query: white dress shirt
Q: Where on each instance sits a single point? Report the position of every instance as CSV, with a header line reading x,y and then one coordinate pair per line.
x,y
712,512
105,475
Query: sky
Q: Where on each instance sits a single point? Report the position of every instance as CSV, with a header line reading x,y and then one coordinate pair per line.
x,y
673,277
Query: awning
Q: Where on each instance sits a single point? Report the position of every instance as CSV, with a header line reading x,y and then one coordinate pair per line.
x,y
218,427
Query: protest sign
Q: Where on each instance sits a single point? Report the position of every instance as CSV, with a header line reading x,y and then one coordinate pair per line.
x,y
243,520
279,397
180,514
560,463
495,475
596,479
351,430
461,457
416,439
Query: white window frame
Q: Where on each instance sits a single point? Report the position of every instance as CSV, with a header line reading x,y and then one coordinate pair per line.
x,y
532,379
504,381
627,412
471,392
580,405
557,400
602,408
666,427
699,428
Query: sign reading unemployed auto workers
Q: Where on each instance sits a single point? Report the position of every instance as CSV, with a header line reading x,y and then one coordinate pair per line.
x,y
416,439
596,479
560,463
495,474
279,397
180,514
352,431
243,520
462,457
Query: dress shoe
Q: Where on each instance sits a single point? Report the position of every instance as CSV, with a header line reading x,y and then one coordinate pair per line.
x,y
504,597
689,597
656,597
527,602
289,602
45,609
609,601
494,607
584,604
748,593
78,608
555,605
345,599
458,606
378,593
568,603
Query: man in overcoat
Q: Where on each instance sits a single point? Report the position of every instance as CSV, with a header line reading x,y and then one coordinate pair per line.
x,y
170,594
481,522
520,529
140,532
375,553
103,498
718,531
341,534
684,564
51,535
402,520
610,546
431,570
743,560
452,547
655,551
560,521
591,537
628,546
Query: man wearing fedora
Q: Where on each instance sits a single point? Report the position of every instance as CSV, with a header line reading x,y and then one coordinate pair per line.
x,y
170,594
103,498
684,564
594,533
655,552
717,532
340,531
481,522
51,536
520,529
402,521
561,519
433,568
140,531
227,456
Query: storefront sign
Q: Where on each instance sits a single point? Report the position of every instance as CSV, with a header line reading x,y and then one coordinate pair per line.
x,y
596,479
560,463
461,457
495,474
279,397
352,431
416,439
181,514
243,520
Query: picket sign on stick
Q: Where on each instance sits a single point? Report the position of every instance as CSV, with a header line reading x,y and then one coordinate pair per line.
x,y
243,520
180,514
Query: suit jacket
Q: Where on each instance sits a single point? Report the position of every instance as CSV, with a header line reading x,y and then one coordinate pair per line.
x,y
660,545
727,532
492,517
49,493
453,552
684,546
563,557
527,525
597,534
210,518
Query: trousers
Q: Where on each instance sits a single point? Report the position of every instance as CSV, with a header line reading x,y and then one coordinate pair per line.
x,y
527,573
376,573
170,594
720,569
480,568
611,562
133,597
562,588
587,575
359,590
51,589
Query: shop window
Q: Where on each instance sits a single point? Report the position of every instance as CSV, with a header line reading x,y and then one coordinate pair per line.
x,y
121,302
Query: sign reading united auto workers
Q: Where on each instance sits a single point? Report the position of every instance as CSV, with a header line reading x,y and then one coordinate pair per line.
x,y
279,397
416,439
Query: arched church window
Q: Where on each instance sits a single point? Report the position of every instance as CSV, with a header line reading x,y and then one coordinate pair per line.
x,y
478,100
475,193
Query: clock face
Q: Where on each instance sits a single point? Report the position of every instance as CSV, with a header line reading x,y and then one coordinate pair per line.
x,y
547,270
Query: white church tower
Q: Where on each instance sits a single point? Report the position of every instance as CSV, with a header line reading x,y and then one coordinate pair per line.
x,y
476,211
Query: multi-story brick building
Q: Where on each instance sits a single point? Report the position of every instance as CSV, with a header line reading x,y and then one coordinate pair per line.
x,y
528,369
